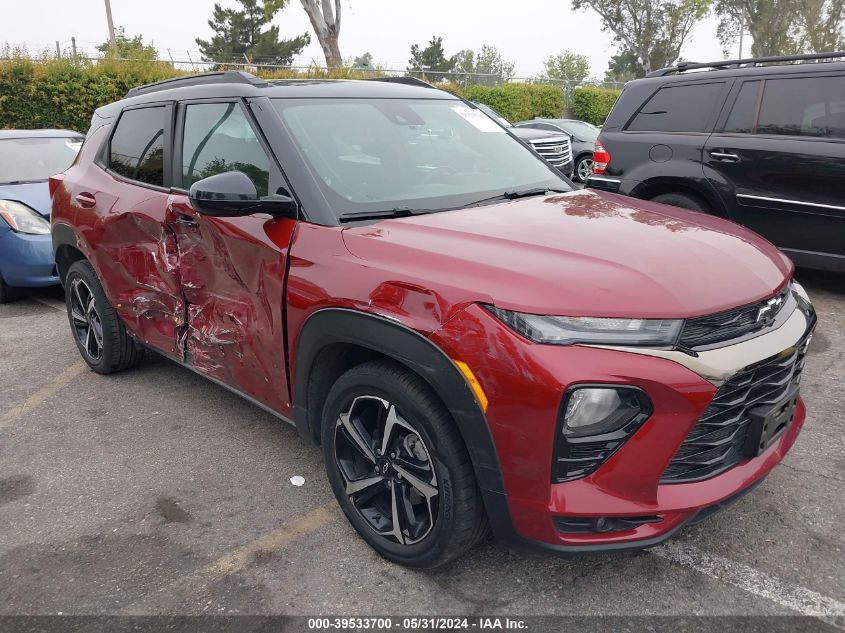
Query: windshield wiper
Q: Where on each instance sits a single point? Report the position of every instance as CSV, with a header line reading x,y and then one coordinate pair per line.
x,y
398,212
518,193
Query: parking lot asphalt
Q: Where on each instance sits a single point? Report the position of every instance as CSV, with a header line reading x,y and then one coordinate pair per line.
x,y
155,491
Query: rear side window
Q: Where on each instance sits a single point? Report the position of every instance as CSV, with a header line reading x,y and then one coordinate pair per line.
x,y
218,138
678,109
803,106
741,119
137,146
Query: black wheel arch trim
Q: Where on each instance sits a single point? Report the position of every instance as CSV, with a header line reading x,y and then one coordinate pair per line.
x,y
391,339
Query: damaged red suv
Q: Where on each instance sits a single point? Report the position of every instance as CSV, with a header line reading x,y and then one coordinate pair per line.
x,y
474,344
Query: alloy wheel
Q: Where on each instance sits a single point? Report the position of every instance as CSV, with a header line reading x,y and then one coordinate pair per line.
x,y
87,322
585,169
387,470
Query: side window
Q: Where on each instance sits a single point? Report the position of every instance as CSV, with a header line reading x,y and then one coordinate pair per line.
x,y
218,138
803,106
741,119
137,145
678,109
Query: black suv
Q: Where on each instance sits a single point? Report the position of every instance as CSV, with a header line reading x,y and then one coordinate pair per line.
x,y
760,141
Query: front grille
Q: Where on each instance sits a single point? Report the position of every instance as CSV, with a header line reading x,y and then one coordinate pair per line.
x,y
558,150
733,324
716,442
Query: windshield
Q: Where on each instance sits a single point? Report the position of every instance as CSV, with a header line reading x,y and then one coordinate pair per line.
x,y
421,155
35,159
581,129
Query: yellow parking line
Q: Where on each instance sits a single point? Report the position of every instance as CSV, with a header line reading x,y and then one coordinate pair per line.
x,y
51,303
236,560
38,398
274,541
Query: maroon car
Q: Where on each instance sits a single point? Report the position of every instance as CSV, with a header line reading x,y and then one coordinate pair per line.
x,y
473,343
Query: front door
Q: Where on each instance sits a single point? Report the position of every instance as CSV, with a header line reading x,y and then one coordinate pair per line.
x,y
232,270
778,161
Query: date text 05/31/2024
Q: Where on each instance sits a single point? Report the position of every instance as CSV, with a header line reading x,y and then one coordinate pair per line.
x,y
417,623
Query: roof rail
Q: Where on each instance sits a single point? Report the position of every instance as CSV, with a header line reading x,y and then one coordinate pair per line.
x,y
411,81
220,77
740,63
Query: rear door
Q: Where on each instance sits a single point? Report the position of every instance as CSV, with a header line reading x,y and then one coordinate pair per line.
x,y
778,162
232,270
120,209
664,139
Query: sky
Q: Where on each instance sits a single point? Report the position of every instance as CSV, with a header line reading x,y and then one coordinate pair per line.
x,y
525,32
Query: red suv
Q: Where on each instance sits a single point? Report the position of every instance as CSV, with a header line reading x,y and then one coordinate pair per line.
x,y
472,342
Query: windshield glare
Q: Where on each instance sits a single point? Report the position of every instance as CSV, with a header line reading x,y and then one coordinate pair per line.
x,y
426,154
36,159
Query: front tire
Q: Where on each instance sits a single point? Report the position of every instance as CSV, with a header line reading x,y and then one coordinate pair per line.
x,y
7,292
399,468
98,331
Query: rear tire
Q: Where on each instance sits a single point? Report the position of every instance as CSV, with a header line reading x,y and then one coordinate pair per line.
x,y
683,200
583,168
412,496
97,329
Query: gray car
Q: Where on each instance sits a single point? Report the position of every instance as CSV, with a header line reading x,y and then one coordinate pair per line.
x,y
554,146
583,135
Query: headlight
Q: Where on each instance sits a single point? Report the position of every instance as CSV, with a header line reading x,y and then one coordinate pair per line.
x,y
22,219
559,330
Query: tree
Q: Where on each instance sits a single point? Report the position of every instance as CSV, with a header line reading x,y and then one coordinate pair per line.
x,y
783,27
363,61
623,67
432,57
771,24
652,30
488,61
325,21
129,48
240,34
567,66
822,22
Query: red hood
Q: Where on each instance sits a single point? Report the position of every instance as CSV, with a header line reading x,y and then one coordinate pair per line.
x,y
584,253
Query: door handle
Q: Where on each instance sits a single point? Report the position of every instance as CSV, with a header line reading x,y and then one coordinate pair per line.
x,y
186,220
725,156
85,199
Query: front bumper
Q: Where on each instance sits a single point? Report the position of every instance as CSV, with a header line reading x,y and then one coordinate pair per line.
x,y
27,261
523,413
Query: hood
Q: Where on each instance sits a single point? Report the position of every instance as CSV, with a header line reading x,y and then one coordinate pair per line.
x,y
585,253
35,195
531,134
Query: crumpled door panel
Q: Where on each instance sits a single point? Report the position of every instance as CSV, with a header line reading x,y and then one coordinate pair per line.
x,y
136,255
232,273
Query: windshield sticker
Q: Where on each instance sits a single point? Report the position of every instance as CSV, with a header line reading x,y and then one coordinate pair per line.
x,y
478,119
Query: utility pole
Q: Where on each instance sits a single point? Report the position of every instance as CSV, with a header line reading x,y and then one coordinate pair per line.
x,y
73,45
112,41
741,30
58,50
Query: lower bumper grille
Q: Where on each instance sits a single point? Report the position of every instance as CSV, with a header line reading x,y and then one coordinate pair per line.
x,y
717,441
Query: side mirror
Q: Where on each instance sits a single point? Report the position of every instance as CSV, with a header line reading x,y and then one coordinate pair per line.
x,y
232,194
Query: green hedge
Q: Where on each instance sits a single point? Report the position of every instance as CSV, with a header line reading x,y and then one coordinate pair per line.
x,y
60,93
63,93
593,104
516,102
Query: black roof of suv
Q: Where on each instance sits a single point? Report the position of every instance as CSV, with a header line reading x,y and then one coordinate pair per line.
x,y
760,141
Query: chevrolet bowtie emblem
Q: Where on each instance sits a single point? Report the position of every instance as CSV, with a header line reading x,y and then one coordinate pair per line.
x,y
768,311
